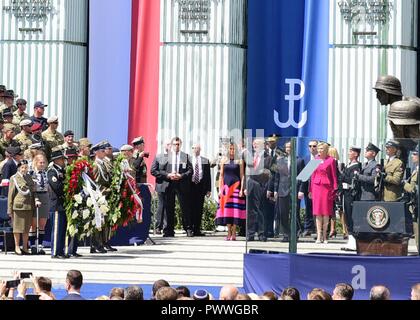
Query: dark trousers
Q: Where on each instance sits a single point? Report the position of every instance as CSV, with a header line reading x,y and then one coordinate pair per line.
x,y
169,219
256,202
72,243
58,232
160,211
197,205
348,209
100,238
146,198
308,223
269,218
283,208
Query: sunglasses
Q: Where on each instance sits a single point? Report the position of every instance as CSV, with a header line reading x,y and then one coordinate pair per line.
x,y
312,146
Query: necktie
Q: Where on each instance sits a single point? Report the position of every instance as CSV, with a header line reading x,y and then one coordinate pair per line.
x,y
42,183
256,161
272,153
176,162
196,177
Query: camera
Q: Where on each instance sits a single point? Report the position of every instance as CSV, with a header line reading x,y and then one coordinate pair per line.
x,y
32,297
12,284
25,275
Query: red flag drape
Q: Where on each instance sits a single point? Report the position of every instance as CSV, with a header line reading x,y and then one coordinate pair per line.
x,y
144,86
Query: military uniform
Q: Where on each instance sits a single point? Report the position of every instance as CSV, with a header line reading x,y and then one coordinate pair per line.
x,y
4,144
394,170
65,146
24,140
18,118
53,139
56,177
411,187
350,191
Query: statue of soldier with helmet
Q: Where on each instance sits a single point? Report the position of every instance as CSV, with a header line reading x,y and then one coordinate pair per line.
x,y
404,113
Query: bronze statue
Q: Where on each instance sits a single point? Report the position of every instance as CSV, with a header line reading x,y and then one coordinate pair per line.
x,y
404,113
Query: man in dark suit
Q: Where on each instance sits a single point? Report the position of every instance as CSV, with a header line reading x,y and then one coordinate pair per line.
x,y
200,187
10,168
368,174
258,173
308,224
177,170
74,282
161,185
280,187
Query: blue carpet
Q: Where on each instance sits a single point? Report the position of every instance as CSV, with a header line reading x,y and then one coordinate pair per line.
x,y
93,290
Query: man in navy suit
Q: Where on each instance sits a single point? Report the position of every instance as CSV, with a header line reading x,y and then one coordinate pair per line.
x,y
177,170
368,174
280,186
74,281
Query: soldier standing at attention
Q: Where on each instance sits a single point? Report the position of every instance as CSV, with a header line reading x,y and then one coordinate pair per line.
x,y
368,174
56,177
51,136
19,115
69,142
394,172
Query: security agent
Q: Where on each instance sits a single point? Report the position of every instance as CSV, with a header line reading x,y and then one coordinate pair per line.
x,y
56,178
393,173
368,174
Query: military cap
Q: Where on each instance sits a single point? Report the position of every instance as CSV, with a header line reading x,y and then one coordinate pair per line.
x,y
68,133
7,113
21,163
10,94
273,137
25,122
36,126
9,126
389,84
97,147
57,153
392,143
52,119
137,141
416,150
126,147
21,101
13,151
372,147
356,149
71,153
2,88
106,144
40,104
84,142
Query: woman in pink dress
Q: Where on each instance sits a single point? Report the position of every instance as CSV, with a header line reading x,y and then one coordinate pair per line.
x,y
322,191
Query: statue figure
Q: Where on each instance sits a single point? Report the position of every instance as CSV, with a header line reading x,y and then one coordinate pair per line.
x,y
404,113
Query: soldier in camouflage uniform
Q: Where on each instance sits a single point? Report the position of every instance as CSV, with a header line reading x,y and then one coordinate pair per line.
x,y
19,115
9,99
393,173
69,142
8,118
7,140
2,91
51,136
24,138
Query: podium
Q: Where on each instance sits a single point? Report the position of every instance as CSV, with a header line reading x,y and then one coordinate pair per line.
x,y
382,228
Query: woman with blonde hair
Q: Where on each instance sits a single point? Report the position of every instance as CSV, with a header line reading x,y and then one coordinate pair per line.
x,y
232,206
39,176
323,191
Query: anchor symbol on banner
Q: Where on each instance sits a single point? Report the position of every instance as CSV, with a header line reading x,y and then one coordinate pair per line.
x,y
292,98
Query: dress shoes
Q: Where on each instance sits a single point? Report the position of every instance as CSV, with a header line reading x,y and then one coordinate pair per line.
x,y
262,238
169,235
190,233
19,253
199,234
97,250
285,239
76,255
109,248
249,238
58,256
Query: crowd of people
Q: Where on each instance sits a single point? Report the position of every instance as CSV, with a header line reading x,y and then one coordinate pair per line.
x,y
17,289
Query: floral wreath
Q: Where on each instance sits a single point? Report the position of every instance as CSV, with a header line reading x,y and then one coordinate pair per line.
x,y
125,203
86,207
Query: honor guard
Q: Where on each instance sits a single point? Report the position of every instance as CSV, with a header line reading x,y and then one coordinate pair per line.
x,y
71,243
393,173
350,189
56,178
51,136
410,187
368,174
24,138
103,179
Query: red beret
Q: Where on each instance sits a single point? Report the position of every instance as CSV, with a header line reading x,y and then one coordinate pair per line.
x,y
36,126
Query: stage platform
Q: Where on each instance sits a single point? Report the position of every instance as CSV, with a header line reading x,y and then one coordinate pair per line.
x,y
198,261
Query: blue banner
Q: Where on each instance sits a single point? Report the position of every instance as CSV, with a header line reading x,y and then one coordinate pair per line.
x,y
288,67
306,272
